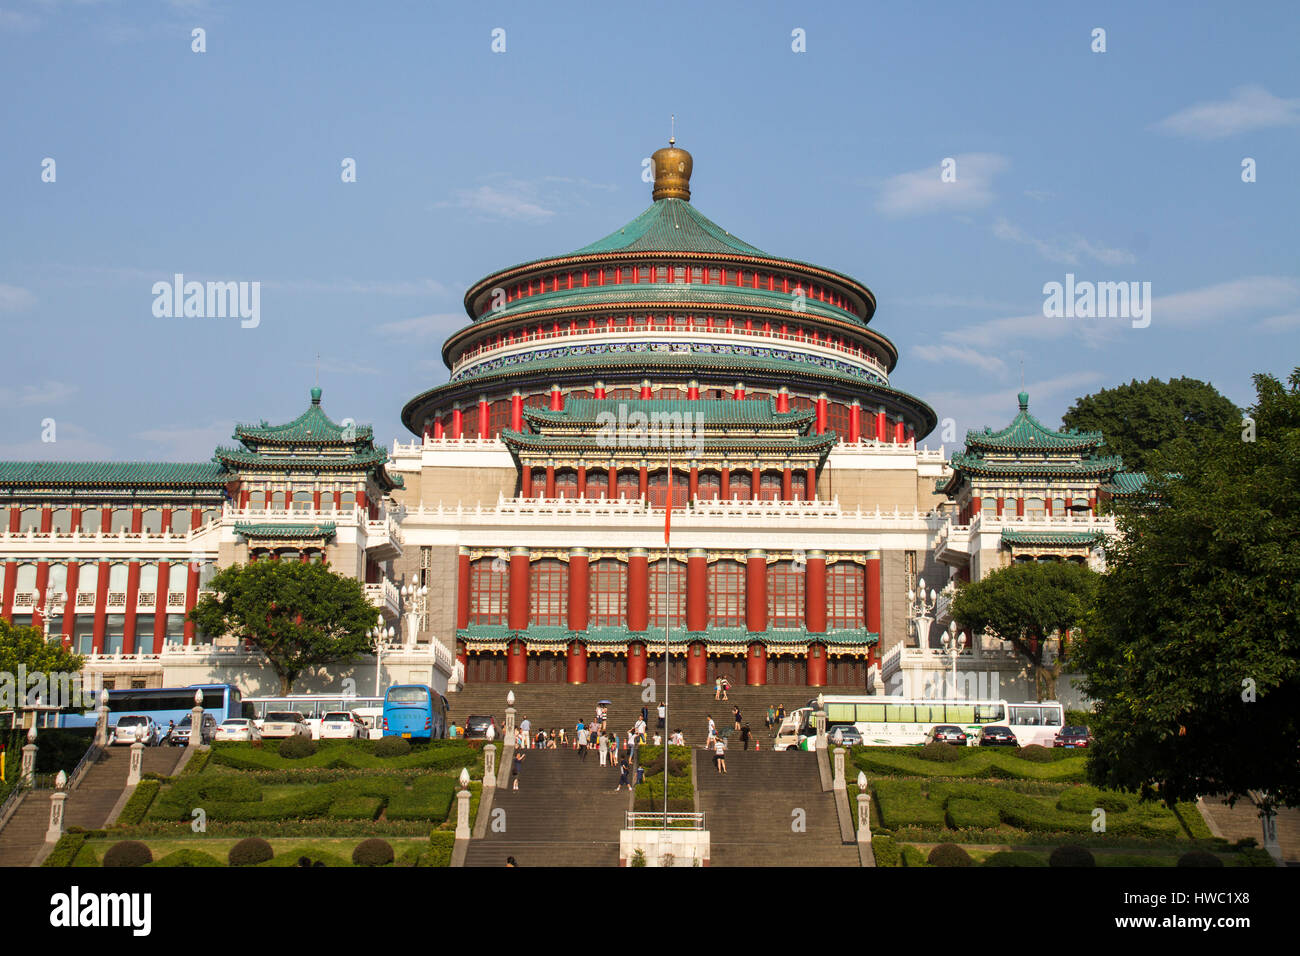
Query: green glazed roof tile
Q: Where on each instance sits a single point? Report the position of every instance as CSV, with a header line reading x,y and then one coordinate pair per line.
x,y
112,473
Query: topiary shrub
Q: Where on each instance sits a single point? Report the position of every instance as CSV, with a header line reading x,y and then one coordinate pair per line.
x,y
940,752
392,747
1014,858
249,852
1071,854
373,852
128,853
1199,858
949,854
1035,753
296,748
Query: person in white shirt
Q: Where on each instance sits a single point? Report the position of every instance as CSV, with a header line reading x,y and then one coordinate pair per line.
x,y
582,743
720,754
713,733
677,740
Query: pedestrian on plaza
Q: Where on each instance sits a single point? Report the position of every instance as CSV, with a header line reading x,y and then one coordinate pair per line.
x,y
604,749
771,716
712,734
735,718
663,714
526,726
717,688
563,742
744,736
582,742
517,768
677,740
720,754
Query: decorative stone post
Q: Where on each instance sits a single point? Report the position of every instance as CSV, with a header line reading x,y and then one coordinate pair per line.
x,y
864,809
1268,822
489,766
839,782
56,808
101,722
821,721
29,759
462,806
196,720
137,761
510,719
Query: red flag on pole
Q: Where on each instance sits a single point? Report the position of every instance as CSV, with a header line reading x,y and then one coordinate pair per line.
x,y
668,511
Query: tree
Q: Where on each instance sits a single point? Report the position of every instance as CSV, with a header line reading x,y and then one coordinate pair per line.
x,y
1028,605
1140,418
1193,649
299,615
24,650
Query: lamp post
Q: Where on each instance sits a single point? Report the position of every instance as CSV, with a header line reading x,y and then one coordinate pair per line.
x,y
953,644
920,612
379,633
54,603
414,595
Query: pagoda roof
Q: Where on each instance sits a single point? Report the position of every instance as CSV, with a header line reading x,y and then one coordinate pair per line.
x,y
707,411
312,427
1126,483
1052,538
671,225
620,636
324,529
1027,432
743,447
252,459
965,464
112,473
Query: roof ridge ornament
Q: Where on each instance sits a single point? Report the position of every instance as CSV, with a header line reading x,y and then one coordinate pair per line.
x,y
672,171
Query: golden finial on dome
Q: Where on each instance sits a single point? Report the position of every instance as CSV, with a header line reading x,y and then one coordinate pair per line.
x,y
672,170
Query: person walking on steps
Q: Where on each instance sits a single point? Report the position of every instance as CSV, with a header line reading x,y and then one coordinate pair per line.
x,y
771,717
604,749
735,718
516,769
726,686
720,754
624,768
582,742
717,688
712,734
663,714
744,737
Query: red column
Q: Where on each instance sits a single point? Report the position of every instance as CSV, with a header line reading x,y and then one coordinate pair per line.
x,y
697,590
855,422
756,664
517,611
739,393
132,597
483,416
814,595
899,436
462,588
646,390
787,483
517,662
643,481
697,663
599,390
526,479
636,660
42,582
579,596
166,519
557,399
693,390
1000,500
160,605
611,481
582,479
638,590
438,432
101,608
871,593
14,514
1020,507
976,506
821,416
576,671
47,521
783,400
70,607
756,591
880,425
11,583
516,411
457,421
694,487
1092,503
816,664
550,479
724,480
755,481
810,482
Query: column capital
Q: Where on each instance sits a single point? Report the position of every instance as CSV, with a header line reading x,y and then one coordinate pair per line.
x,y
637,552
815,554
518,552
755,553
873,555
578,552
697,553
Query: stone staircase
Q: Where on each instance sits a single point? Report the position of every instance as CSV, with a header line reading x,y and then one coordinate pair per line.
x,y
88,807
565,813
750,811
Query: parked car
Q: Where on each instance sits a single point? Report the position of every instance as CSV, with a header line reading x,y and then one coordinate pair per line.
x,y
180,736
342,725
849,735
135,727
285,723
476,726
997,736
1072,737
946,734
238,728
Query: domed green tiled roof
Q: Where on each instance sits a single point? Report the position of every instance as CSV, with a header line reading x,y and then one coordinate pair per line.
x,y
671,225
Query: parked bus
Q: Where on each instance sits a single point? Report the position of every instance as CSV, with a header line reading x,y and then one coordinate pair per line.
x,y
414,711
315,706
164,704
904,721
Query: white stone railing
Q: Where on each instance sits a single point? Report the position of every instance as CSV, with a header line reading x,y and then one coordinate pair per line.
x,y
384,595
414,448
100,537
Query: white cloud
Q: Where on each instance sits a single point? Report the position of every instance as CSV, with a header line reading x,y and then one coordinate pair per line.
x,y
188,442
922,191
943,300
1249,108
13,298
514,199
1230,301
1067,251
73,443
1281,323
436,326
979,358
48,392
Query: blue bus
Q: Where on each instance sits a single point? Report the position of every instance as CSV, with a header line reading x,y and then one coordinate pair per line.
x,y
414,711
163,704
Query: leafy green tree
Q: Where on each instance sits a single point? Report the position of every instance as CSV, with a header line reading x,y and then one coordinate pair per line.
x,y
23,645
299,615
1142,417
1193,650
1028,605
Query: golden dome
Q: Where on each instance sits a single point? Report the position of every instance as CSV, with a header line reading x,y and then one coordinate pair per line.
x,y
672,173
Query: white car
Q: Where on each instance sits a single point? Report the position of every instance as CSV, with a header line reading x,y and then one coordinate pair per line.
x,y
342,725
238,728
285,723
135,727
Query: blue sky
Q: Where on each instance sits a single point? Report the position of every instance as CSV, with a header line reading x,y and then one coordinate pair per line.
x,y
225,165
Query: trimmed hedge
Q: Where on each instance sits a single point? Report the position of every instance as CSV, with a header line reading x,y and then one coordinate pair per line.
x,y
187,857
1071,854
886,851
392,747
949,854
128,853
198,762
1014,858
66,850
971,762
372,852
940,752
440,846
1199,858
249,852
290,858
1035,753
355,755
138,805
296,748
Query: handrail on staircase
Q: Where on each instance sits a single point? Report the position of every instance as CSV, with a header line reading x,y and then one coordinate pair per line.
x,y
83,767
655,821
11,802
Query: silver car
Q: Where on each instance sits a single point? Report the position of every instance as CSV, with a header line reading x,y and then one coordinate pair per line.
x,y
285,723
135,727
342,725
238,728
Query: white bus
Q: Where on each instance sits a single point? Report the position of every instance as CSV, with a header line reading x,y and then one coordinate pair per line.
x,y
315,706
904,721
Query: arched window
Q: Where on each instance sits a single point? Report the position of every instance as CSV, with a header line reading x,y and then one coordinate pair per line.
x,y
347,500
148,577
30,520
117,575
58,579
727,593
26,579
1034,508
548,592
88,577
539,482
798,485
597,482
61,520
151,521
769,488
566,483
178,577
302,500
844,583
785,582
91,520
1058,508
488,589
709,486
676,595
989,506
608,579
629,484
210,514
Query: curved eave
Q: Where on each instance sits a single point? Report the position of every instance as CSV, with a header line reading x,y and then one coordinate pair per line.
x,y
804,444
573,311
792,419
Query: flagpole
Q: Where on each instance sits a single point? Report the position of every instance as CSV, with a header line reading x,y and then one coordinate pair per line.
x,y
668,572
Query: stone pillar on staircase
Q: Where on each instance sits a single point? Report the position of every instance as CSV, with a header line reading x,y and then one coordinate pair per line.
x,y
489,766
196,721
57,799
28,773
136,767
838,757
101,721
462,807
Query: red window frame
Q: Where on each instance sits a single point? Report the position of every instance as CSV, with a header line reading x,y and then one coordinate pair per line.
x,y
727,594
785,594
489,590
608,582
844,595
548,592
